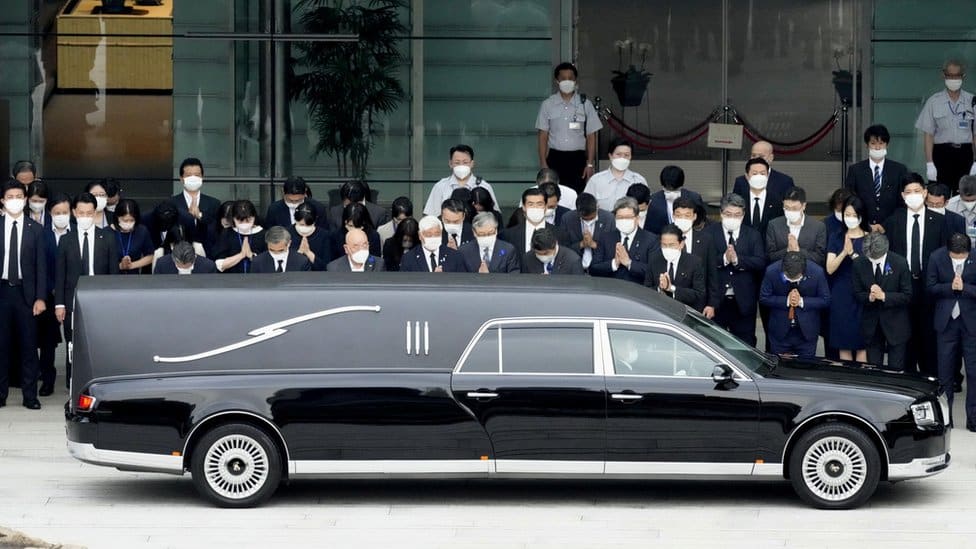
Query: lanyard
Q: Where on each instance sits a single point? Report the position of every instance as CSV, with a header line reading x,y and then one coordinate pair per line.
x,y
246,262
125,247
953,111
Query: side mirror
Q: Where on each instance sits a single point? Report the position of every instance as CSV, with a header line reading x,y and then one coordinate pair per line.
x,y
721,374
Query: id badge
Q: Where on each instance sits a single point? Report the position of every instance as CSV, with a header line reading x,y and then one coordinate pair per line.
x,y
576,126
963,124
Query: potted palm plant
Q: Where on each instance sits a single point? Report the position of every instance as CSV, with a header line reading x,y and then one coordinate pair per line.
x,y
631,85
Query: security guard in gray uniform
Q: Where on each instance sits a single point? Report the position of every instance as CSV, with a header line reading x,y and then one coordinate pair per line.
x,y
946,121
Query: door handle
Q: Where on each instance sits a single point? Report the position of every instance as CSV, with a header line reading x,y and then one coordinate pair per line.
x,y
479,394
626,397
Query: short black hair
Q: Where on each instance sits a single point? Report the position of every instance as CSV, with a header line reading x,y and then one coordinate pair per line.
x,y
12,184
586,204
619,142
353,191
532,191
127,206
546,174
112,186
402,205
22,166
855,202
672,177
191,161
358,215
939,189
673,229
683,202
84,198
959,243
58,198
96,183
543,239
306,213
796,194
481,197
753,161
879,131
838,198
565,66
38,188
639,192
244,209
550,189
794,264
462,148
294,185
453,205
912,177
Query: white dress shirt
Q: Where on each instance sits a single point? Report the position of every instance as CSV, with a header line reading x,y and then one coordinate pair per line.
x,y
607,188
91,248
752,206
529,231
8,224
445,187
795,229
587,255
910,222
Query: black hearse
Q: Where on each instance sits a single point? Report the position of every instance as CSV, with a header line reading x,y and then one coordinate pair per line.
x,y
248,381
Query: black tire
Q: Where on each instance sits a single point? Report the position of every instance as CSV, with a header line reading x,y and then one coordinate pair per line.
x,y
835,466
236,465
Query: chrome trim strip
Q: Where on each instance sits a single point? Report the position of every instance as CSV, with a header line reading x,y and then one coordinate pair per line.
x,y
408,337
265,333
548,467
768,470
624,396
475,394
416,339
389,467
126,461
918,468
208,419
874,432
426,338
678,468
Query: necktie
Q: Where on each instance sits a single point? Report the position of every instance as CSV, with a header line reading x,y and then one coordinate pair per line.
x,y
454,236
955,307
877,181
877,274
433,261
916,247
85,257
627,242
485,256
280,268
671,271
756,213
13,268
549,268
731,239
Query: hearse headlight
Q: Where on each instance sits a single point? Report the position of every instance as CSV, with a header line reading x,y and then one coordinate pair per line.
x,y
924,413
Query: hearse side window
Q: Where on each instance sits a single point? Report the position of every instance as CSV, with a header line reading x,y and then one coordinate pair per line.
x,y
638,352
547,350
483,357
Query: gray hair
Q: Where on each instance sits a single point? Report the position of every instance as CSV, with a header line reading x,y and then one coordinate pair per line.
x,y
277,235
953,62
484,220
875,245
428,222
732,200
967,185
183,253
624,203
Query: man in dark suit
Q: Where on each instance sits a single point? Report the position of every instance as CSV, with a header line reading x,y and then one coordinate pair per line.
x,y
584,227
951,281
877,180
660,210
795,291
762,193
184,260
457,230
937,198
487,254
356,191
357,258
294,194
86,251
914,232
554,212
698,242
197,211
674,272
622,252
883,286
547,257
739,262
796,231
432,256
534,218
23,287
279,257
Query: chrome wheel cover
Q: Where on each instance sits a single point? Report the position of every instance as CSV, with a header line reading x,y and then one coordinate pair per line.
x,y
834,468
236,467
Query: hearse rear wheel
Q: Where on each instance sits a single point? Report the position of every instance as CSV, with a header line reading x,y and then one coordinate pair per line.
x,y
236,465
835,466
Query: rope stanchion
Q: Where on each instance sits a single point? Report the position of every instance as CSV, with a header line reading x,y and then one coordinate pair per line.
x,y
825,131
672,137
649,146
831,122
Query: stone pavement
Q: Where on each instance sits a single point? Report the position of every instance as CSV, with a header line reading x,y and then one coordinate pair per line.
x,y
47,495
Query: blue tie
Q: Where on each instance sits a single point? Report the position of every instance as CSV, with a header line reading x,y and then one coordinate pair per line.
x,y
877,181
549,267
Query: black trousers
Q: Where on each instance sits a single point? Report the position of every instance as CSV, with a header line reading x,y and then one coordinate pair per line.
x,y
742,326
48,338
569,165
955,343
877,345
952,162
921,354
17,325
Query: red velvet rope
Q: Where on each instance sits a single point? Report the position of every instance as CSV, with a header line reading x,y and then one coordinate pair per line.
x,y
815,139
647,145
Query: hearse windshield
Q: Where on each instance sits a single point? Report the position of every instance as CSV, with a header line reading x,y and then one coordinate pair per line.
x,y
747,356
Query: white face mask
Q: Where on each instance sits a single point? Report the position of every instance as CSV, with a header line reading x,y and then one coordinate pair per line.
x,y
626,226
100,203
939,210
431,244
244,228
182,271
671,254
535,215
620,164
487,242
85,223
304,230
545,259
914,201
877,154
967,204
360,256
453,229
127,226
953,84
731,223
192,183
839,216
37,207
551,215
792,217
61,221
758,181
279,256
957,263
111,208
641,218
671,196
461,171
684,224
567,86
294,205
14,206
852,222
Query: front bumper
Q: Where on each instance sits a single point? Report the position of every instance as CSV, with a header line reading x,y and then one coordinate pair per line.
x,y
126,461
918,468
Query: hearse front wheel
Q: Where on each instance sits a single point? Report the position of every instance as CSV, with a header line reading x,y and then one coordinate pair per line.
x,y
835,466
236,465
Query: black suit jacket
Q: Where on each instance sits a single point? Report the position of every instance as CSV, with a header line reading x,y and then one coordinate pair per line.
x,y
704,250
689,279
657,210
816,298
378,215
776,188
32,260
201,265
860,181
572,229
641,245
264,263
467,235
934,236
105,260
939,286
744,277
504,258
566,262
203,229
954,223
561,212
279,214
812,239
516,235
417,259
341,265
892,313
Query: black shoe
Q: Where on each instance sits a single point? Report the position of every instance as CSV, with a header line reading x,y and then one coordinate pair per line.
x,y
46,390
32,404
3,402
957,387
971,426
